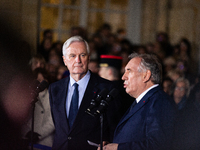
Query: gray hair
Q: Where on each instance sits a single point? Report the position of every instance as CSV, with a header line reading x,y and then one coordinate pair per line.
x,y
187,84
74,39
149,62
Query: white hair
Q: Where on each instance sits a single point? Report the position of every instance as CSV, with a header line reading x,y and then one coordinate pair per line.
x,y
74,39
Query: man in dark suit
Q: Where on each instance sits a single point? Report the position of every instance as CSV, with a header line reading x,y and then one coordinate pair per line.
x,y
149,122
73,126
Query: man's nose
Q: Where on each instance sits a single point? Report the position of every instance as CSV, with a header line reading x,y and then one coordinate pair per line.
x,y
124,77
78,59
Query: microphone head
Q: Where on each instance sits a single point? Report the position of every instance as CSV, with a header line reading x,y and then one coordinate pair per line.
x,y
43,85
102,93
105,103
113,93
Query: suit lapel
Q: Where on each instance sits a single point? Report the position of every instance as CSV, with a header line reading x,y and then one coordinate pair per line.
x,y
90,93
137,107
62,102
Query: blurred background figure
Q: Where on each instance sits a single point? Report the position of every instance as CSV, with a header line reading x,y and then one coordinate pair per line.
x,y
163,39
62,72
93,66
46,43
181,92
182,67
141,49
93,50
37,61
54,58
110,67
187,131
169,64
173,74
167,85
43,123
48,34
77,30
121,34
185,50
105,31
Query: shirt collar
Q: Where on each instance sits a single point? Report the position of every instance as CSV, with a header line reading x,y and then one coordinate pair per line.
x,y
141,95
72,81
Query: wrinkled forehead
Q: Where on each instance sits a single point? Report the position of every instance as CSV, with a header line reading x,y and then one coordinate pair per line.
x,y
76,46
133,63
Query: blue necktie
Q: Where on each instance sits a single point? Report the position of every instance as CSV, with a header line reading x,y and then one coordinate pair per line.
x,y
73,106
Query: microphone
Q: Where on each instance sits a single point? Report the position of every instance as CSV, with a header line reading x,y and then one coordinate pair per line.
x,y
96,101
40,87
105,103
43,85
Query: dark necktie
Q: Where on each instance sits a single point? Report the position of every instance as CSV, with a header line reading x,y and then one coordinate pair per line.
x,y
133,104
73,106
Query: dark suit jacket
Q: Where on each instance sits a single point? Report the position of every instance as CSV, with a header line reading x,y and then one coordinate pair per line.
x,y
148,125
187,128
85,127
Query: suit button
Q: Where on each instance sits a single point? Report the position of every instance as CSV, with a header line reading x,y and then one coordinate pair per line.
x,y
69,138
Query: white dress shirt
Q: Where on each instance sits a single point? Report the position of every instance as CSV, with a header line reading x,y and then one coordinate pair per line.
x,y
142,95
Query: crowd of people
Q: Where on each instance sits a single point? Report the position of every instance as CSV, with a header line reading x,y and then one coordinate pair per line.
x,y
176,59
179,81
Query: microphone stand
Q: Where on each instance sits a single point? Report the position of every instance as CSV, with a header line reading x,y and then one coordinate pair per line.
x,y
41,87
101,137
33,116
32,125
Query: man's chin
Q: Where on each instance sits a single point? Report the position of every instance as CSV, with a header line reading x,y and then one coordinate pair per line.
x,y
79,72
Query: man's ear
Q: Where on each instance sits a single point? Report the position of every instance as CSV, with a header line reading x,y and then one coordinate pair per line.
x,y
146,76
64,60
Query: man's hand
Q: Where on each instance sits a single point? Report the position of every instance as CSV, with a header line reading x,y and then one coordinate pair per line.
x,y
104,143
111,146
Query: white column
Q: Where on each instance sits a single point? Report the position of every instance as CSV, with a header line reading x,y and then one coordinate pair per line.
x,y
134,21
83,13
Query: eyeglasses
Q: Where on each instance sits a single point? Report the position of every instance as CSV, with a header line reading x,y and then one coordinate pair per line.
x,y
180,88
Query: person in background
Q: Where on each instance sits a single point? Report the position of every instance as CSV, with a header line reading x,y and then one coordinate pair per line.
x,y
61,71
73,126
43,123
182,66
121,34
48,34
46,44
37,61
149,122
110,67
185,50
181,92
174,75
167,85
163,39
187,131
93,66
